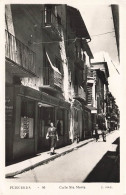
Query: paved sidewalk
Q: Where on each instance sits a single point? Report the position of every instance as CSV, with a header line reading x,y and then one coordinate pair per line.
x,y
42,158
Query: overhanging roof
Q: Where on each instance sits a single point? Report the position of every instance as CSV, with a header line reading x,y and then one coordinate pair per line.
x,y
79,23
101,63
101,74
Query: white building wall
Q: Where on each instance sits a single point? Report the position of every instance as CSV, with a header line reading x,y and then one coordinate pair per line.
x,y
9,20
65,67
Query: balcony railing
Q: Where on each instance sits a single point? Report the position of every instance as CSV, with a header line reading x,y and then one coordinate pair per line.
x,y
89,95
52,78
19,53
89,72
51,24
79,62
79,93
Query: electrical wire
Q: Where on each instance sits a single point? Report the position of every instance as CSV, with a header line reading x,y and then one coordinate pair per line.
x,y
115,67
44,42
48,42
102,33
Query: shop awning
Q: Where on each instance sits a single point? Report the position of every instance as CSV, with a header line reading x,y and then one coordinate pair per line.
x,y
92,109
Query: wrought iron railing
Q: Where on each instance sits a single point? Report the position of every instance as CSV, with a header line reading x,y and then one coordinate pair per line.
x,y
79,92
89,72
52,78
19,53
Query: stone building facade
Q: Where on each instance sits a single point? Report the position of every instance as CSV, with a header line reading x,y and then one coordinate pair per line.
x,y
49,78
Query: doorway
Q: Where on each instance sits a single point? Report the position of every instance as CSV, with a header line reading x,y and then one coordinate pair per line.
x,y
45,116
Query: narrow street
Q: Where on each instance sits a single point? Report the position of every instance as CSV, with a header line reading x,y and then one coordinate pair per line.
x,y
94,162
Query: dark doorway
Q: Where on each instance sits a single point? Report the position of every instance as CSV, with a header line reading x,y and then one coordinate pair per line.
x,y
45,116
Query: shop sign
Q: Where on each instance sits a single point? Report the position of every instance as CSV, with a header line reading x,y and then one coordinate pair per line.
x,y
9,112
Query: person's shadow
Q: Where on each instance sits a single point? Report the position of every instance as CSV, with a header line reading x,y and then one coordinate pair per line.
x,y
52,153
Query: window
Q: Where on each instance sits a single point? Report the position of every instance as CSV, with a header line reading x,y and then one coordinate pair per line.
x,y
77,52
47,14
59,19
46,69
58,64
83,57
45,60
27,119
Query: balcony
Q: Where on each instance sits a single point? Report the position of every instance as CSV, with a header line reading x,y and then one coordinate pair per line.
x,y
52,80
79,62
51,25
20,60
89,94
79,93
89,73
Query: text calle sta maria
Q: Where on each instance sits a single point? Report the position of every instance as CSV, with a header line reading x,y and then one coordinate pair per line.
x,y
72,187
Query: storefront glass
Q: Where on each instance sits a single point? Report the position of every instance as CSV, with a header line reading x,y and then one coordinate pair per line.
x,y
27,119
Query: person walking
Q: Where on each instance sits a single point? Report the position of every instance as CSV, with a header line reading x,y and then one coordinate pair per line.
x,y
53,138
104,132
96,132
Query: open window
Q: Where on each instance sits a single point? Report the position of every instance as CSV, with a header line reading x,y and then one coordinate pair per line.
x,y
47,14
58,64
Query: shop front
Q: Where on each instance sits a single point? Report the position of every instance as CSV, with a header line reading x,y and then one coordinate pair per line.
x,y
59,116
76,121
90,116
9,122
28,120
25,124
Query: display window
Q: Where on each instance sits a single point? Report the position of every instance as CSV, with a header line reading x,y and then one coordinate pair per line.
x,y
27,119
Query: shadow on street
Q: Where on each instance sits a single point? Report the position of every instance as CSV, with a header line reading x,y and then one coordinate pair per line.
x,y
108,168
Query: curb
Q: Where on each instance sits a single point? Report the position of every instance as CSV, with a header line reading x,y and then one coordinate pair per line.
x,y
12,174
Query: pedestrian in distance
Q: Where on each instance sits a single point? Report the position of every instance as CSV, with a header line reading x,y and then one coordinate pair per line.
x,y
53,138
104,132
96,132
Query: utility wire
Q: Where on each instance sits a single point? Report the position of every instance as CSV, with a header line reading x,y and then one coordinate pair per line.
x,y
102,33
57,41
115,67
44,42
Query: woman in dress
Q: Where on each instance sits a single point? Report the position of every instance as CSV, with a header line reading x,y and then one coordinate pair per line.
x,y
53,137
